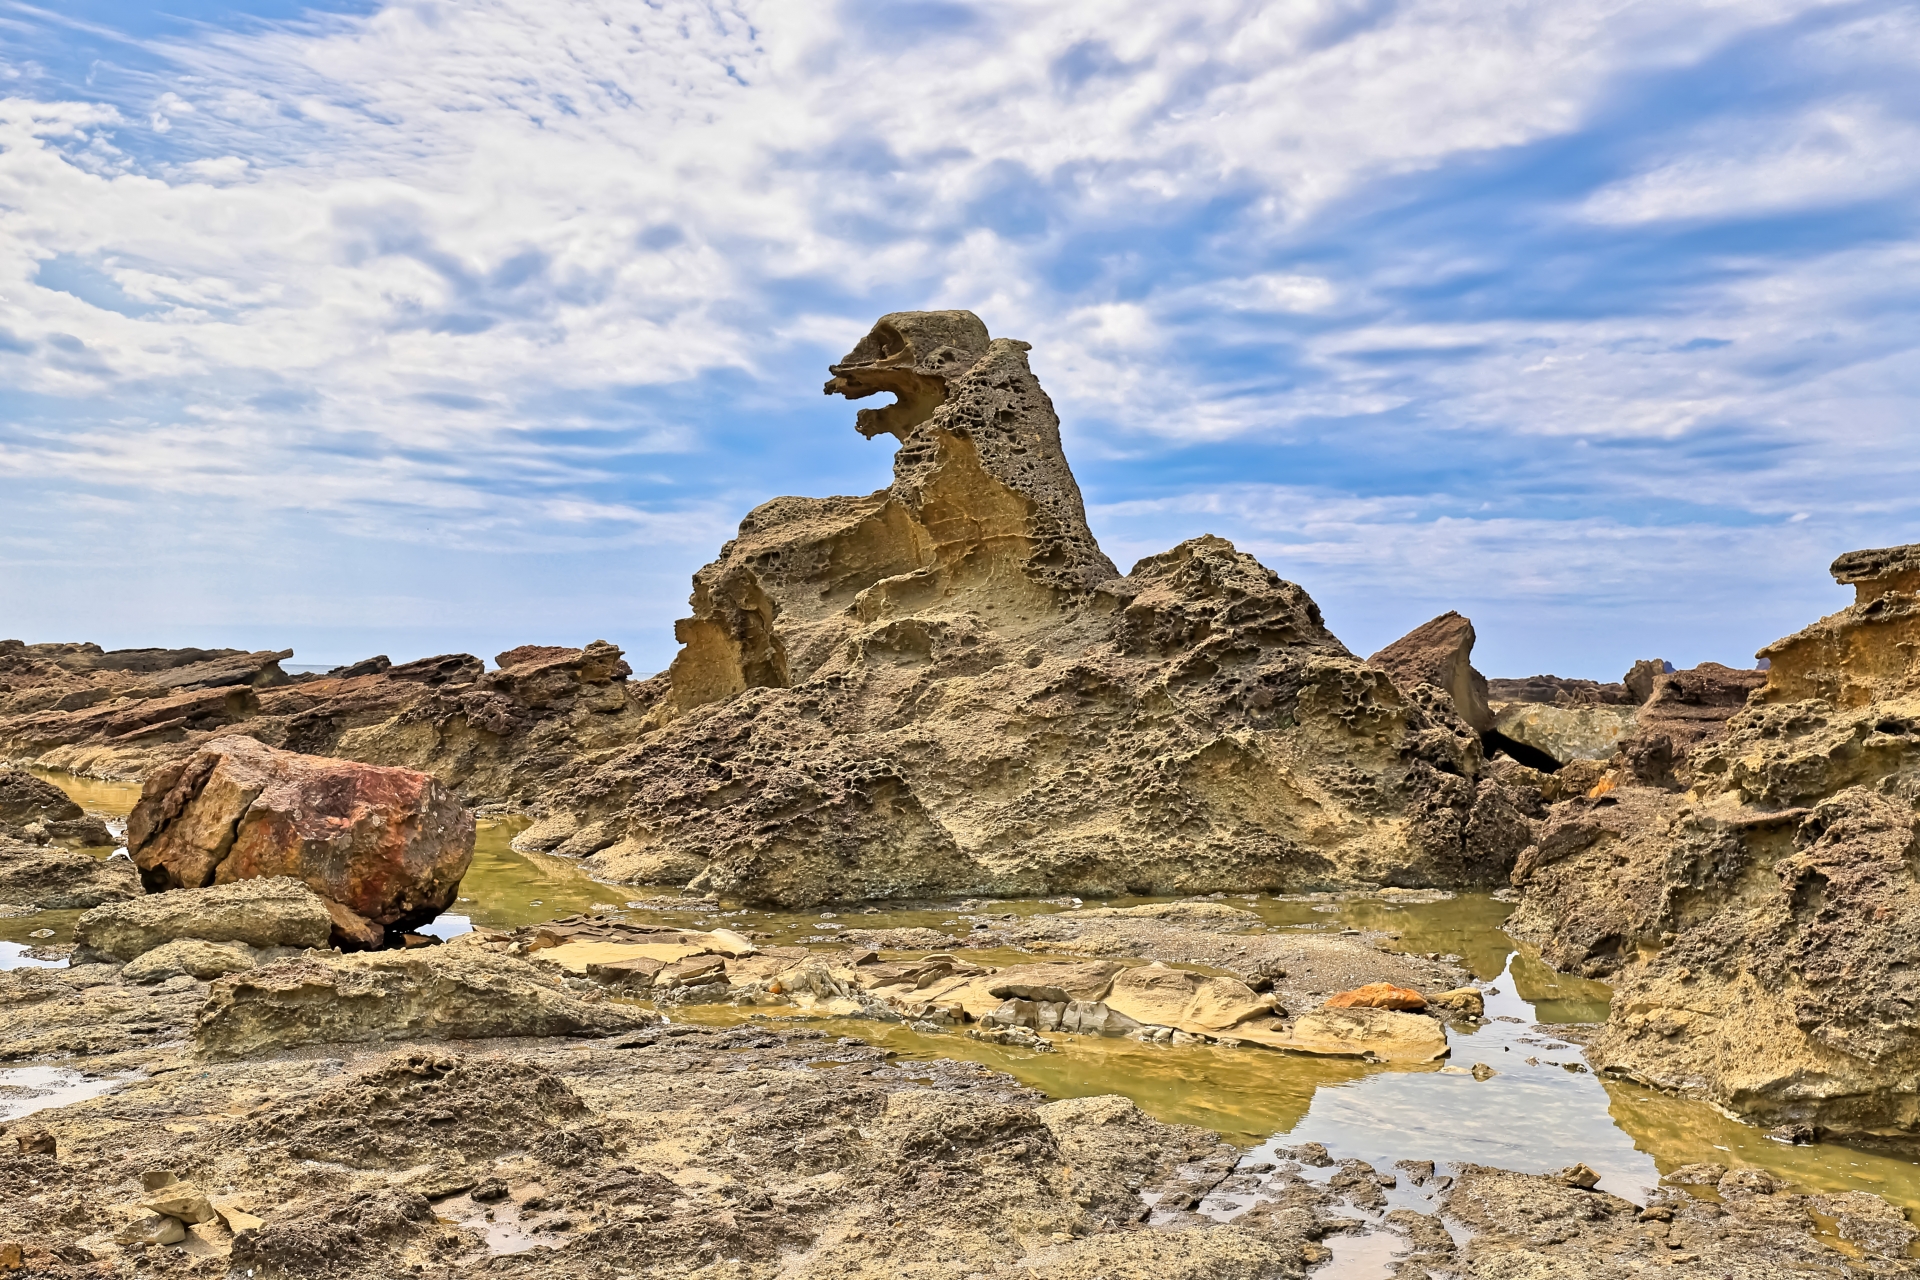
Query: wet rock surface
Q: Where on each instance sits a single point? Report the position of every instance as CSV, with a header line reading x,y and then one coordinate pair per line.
x,y
34,811
48,877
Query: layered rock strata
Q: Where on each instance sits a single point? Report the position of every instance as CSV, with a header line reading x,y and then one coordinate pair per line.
x,y
499,737
1760,926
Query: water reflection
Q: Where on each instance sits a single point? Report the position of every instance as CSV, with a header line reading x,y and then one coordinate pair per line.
x,y
1532,1117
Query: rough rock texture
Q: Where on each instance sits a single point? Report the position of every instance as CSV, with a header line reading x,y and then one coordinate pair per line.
x,y
1523,1226
1759,928
1566,732
55,879
190,956
1693,706
389,845
1440,653
34,810
946,686
1565,691
65,703
441,993
275,912
1866,653
492,737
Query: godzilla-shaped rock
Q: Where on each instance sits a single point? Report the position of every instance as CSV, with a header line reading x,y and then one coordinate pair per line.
x,y
389,845
1759,929
946,686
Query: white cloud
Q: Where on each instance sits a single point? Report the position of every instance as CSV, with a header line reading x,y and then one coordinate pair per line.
x,y
1841,153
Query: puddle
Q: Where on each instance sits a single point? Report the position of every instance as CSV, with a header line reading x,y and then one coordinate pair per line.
x,y
25,1090
1536,1117
1362,1257
13,955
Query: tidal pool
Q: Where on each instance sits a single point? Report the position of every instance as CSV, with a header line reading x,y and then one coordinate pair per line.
x,y
1530,1117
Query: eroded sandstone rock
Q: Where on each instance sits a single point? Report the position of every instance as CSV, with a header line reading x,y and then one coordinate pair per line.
x,y
55,879
34,810
442,993
1440,653
946,686
1758,927
388,845
269,912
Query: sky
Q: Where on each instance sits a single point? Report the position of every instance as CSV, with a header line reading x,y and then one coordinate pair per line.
x,y
451,325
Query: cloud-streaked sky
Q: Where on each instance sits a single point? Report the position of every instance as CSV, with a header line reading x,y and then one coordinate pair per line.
x,y
411,327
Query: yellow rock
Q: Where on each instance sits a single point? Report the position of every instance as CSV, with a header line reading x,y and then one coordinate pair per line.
x,y
182,1200
236,1218
576,956
1382,1034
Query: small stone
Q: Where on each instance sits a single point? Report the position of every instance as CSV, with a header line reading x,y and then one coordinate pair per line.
x,y
490,1189
142,1226
12,1256
1465,1000
1579,1175
1378,995
182,1200
237,1219
1481,1071
1656,1213
36,1142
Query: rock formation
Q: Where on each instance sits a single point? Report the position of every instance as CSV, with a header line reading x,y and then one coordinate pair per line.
x,y
941,686
1759,927
381,846
1440,653
34,810
492,737
945,685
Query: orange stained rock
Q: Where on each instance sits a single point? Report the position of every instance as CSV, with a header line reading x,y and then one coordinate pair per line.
x,y
1377,995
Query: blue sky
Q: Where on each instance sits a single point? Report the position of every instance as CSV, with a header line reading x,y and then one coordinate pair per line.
x,y
424,326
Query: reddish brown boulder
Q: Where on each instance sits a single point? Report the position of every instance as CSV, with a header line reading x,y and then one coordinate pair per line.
x,y
389,846
1438,653
1377,995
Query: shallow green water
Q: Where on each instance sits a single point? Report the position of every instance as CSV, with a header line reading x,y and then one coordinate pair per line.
x,y
1536,1118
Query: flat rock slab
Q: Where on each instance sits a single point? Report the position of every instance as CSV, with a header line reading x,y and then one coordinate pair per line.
x,y
441,993
274,912
1380,1034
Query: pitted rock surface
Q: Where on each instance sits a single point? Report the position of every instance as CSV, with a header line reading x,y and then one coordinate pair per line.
x,y
945,686
1758,928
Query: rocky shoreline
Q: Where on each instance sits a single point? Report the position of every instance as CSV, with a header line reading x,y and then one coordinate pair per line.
x,y
938,690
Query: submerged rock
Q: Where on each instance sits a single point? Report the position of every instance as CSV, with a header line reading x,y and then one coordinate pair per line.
x,y
388,845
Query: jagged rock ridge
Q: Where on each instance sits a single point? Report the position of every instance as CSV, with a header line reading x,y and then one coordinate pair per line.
x,y
1759,927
